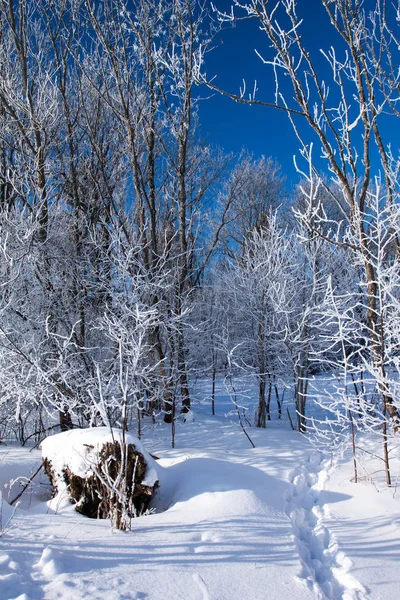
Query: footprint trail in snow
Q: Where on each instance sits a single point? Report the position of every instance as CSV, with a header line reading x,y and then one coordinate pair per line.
x,y
325,567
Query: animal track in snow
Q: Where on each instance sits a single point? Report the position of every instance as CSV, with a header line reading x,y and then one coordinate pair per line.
x,y
325,567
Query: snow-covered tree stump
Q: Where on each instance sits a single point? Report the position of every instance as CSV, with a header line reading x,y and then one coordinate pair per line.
x,y
106,474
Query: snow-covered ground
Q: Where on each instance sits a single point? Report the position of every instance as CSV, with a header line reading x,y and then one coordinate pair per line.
x,y
281,521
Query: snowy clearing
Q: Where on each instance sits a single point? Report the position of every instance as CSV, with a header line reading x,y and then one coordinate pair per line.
x,y
278,521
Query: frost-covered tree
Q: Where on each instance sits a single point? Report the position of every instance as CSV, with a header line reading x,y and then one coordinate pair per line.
x,y
99,151
342,106
346,335
261,279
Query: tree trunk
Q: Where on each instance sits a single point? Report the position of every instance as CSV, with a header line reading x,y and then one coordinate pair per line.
x,y
183,379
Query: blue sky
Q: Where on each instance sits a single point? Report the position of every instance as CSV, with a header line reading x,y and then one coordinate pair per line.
x,y
234,126
261,130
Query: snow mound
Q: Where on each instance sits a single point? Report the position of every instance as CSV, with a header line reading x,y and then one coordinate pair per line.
x,y
50,563
205,488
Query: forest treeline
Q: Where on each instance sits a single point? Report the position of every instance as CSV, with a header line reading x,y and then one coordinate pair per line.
x,y
136,258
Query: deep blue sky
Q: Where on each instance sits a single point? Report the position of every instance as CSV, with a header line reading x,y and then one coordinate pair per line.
x,y
261,130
